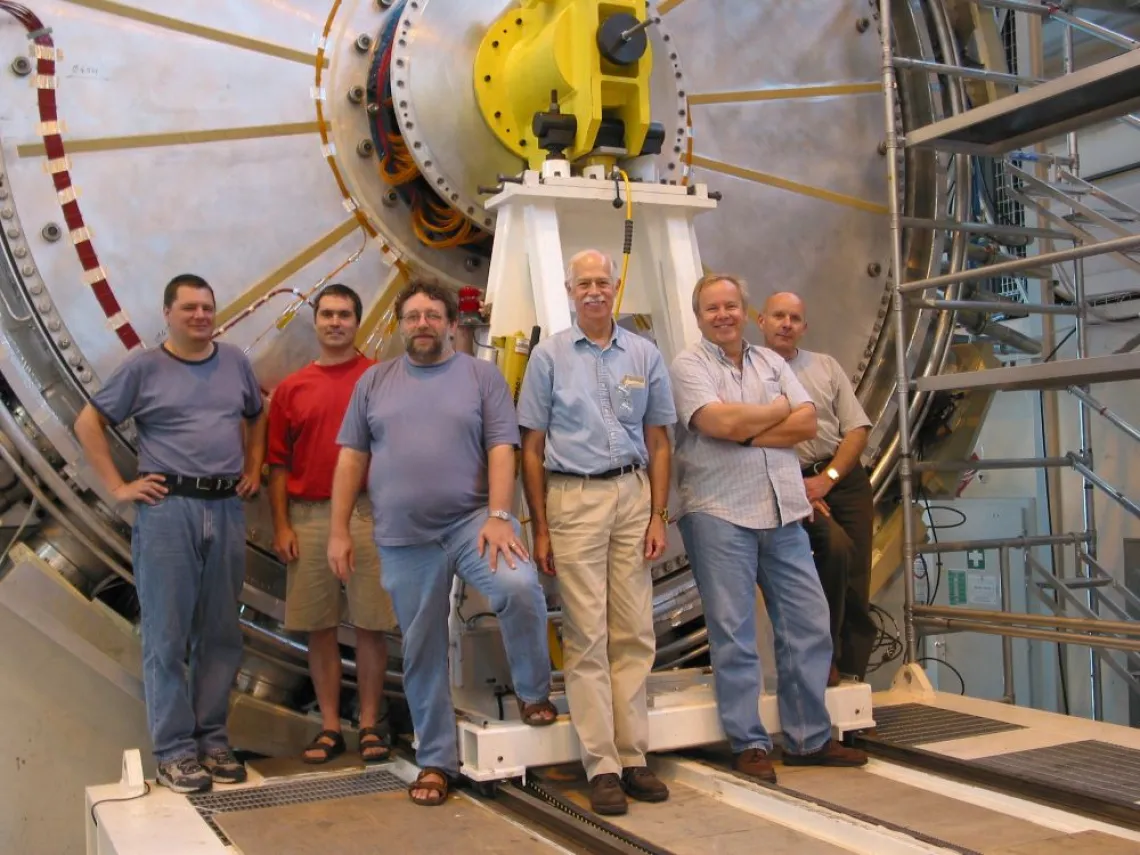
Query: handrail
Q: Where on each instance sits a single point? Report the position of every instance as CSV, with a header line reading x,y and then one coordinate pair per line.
x,y
1104,412
1053,12
1058,636
1106,488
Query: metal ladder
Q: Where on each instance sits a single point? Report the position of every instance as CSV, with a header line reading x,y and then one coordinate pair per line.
x,y
1077,213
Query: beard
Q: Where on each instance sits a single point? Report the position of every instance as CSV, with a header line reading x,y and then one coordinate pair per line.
x,y
418,351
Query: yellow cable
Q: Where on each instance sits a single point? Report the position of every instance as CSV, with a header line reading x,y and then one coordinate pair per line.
x,y
625,254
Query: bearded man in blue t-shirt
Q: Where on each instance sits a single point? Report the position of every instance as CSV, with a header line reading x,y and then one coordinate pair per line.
x,y
440,432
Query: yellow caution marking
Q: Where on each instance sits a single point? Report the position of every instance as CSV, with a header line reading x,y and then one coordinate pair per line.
x,y
310,253
697,161
782,93
122,10
255,132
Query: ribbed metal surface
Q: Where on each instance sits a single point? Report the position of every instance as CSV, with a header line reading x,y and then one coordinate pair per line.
x,y
1097,769
320,789
916,724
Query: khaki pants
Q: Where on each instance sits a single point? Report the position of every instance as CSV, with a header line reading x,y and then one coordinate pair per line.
x,y
597,532
314,598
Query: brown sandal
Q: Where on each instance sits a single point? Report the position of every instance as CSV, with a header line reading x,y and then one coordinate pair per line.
x,y
375,750
532,714
439,791
329,742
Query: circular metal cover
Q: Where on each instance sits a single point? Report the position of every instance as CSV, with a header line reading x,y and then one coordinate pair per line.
x,y
434,96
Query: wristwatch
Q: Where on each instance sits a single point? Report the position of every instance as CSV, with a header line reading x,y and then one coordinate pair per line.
x,y
832,473
500,515
663,513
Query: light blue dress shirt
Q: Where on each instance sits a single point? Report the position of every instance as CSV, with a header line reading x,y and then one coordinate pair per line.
x,y
593,403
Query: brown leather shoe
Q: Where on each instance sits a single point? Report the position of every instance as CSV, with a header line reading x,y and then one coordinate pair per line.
x,y
833,677
641,784
755,763
832,754
606,796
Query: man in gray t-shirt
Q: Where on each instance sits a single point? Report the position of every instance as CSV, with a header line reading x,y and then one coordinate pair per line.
x,y
197,407
836,484
439,430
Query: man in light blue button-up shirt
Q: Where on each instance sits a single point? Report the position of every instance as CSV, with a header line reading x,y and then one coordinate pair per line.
x,y
595,405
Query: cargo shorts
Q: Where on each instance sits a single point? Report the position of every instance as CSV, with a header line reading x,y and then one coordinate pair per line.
x,y
314,597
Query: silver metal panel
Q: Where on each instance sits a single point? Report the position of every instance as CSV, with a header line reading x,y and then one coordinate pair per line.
x,y
348,67
827,142
917,724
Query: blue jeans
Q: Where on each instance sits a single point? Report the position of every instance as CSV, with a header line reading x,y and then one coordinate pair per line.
x,y
728,563
189,562
418,578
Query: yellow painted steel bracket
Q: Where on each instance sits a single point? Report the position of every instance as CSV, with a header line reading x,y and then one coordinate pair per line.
x,y
540,46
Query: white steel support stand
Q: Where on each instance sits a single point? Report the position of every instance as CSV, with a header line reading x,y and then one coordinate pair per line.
x,y
544,221
682,714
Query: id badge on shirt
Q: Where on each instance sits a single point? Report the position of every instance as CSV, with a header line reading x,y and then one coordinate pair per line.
x,y
626,388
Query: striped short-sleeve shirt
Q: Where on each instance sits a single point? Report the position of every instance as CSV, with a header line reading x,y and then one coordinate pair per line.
x,y
758,488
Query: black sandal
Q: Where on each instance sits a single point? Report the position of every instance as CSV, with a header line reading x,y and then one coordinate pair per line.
x,y
439,791
373,751
329,742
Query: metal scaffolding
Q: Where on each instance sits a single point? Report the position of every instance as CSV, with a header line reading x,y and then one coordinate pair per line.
x,y
1041,111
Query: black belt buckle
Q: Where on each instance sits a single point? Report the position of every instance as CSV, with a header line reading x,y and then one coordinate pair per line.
x,y
813,468
214,485
613,473
198,486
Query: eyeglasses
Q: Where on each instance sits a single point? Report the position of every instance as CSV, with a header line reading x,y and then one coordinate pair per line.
x,y
414,317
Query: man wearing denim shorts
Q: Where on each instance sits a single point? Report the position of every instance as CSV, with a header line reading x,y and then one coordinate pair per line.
x,y
740,412
440,432
304,416
197,407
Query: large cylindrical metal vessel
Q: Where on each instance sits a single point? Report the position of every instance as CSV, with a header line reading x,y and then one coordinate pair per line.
x,y
241,141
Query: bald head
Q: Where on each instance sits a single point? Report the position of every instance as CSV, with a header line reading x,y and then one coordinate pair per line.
x,y
787,300
783,321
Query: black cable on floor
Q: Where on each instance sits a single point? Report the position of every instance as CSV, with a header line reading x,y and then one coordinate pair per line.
x,y
146,791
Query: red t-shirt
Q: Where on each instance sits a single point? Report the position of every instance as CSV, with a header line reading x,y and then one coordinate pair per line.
x,y
305,414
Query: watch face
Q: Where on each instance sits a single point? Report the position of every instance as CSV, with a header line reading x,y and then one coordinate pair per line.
x,y
833,474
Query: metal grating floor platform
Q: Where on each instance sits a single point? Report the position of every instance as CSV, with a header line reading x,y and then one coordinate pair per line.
x,y
916,724
317,789
1097,769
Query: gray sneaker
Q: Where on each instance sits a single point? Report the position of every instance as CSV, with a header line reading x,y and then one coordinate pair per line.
x,y
223,766
184,776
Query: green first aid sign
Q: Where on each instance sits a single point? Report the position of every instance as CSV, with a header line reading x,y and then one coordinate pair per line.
x,y
976,559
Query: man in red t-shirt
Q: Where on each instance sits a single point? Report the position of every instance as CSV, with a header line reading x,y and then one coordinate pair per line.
x,y
305,414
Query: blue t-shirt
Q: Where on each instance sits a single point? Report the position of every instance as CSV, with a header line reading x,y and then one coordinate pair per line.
x,y
428,429
188,414
593,403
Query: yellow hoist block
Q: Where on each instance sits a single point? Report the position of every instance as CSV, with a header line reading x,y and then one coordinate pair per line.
x,y
512,352
541,46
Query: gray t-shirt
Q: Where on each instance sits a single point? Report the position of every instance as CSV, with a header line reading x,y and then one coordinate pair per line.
x,y
837,410
188,414
428,429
